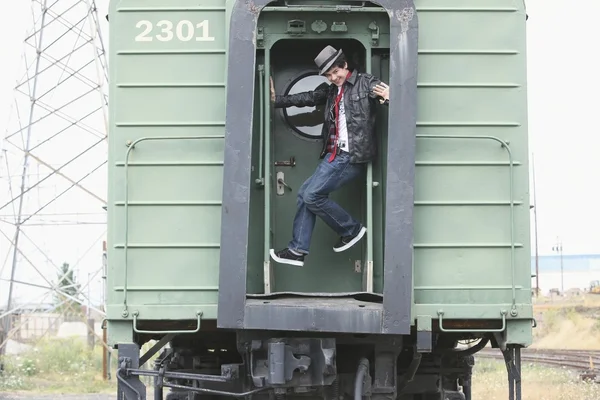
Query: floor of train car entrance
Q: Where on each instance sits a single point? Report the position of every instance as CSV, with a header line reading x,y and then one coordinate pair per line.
x,y
296,133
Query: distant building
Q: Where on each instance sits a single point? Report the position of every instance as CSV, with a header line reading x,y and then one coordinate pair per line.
x,y
574,292
571,263
577,272
31,322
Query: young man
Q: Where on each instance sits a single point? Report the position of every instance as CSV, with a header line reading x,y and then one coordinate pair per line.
x,y
348,144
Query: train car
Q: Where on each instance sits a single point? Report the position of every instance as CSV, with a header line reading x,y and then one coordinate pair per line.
x,y
204,174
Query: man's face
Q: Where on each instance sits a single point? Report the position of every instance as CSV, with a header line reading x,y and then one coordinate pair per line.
x,y
337,75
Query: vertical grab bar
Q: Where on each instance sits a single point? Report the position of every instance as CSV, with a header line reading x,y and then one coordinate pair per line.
x,y
261,74
368,273
267,269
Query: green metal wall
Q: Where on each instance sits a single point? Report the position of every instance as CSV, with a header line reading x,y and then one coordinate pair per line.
x,y
471,245
170,94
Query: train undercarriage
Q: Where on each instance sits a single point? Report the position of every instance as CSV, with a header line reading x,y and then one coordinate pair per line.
x,y
283,365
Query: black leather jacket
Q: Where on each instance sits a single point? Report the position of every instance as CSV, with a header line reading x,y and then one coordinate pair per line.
x,y
359,101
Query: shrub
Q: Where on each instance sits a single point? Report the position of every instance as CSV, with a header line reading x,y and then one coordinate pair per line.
x,y
54,363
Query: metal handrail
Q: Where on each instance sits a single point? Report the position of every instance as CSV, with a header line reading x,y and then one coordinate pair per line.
x,y
131,146
368,274
179,331
266,100
261,73
504,144
501,329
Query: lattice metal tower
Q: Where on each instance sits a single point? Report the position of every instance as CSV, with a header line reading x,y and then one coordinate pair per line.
x,y
53,160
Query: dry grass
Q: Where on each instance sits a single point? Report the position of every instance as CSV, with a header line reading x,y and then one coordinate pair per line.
x,y
63,365
538,383
586,300
568,323
562,323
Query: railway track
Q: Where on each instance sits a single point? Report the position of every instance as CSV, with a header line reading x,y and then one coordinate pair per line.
x,y
585,362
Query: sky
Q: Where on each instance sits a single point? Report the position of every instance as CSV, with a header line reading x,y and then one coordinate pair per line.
x,y
563,131
71,228
563,82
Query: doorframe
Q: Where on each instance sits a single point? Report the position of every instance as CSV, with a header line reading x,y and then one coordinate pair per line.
x,y
398,251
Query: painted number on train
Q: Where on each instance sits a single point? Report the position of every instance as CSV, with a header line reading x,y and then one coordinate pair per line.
x,y
184,31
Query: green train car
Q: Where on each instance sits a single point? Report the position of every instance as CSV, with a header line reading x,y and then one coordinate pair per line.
x,y
204,177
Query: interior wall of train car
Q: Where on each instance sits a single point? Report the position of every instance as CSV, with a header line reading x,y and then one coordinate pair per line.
x,y
293,145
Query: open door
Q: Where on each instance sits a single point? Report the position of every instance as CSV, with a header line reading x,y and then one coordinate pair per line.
x,y
296,144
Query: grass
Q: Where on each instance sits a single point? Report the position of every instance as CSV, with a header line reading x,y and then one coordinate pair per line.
x,y
68,366
568,323
56,366
538,383
562,323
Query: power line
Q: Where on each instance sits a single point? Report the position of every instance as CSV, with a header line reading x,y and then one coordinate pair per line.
x,y
60,107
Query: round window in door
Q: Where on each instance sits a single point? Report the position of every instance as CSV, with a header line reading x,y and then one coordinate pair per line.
x,y
306,121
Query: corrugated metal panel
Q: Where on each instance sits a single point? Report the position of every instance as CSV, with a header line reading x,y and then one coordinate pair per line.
x,y
472,80
168,82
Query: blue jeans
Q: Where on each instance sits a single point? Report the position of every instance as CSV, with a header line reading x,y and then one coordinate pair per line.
x,y
313,200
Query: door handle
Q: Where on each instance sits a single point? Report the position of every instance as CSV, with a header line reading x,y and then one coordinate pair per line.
x,y
282,182
281,185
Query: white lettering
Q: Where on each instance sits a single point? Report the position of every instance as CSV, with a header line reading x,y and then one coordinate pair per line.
x,y
189,28
142,36
184,31
205,36
167,31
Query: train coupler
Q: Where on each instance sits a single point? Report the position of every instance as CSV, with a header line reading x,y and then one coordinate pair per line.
x,y
293,362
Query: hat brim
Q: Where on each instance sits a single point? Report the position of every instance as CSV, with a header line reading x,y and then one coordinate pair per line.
x,y
328,65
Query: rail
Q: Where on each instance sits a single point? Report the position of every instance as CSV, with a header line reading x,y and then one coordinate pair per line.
x,y
179,331
368,276
501,329
579,360
131,146
266,100
504,144
261,74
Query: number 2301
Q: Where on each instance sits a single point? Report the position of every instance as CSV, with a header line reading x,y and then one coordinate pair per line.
x,y
184,31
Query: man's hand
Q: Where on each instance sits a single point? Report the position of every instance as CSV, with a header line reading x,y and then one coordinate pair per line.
x,y
272,90
382,90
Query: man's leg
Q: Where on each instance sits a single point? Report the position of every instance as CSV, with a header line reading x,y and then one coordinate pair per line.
x,y
313,200
331,177
304,223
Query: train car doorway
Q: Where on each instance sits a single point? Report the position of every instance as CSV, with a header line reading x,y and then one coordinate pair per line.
x,y
296,145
